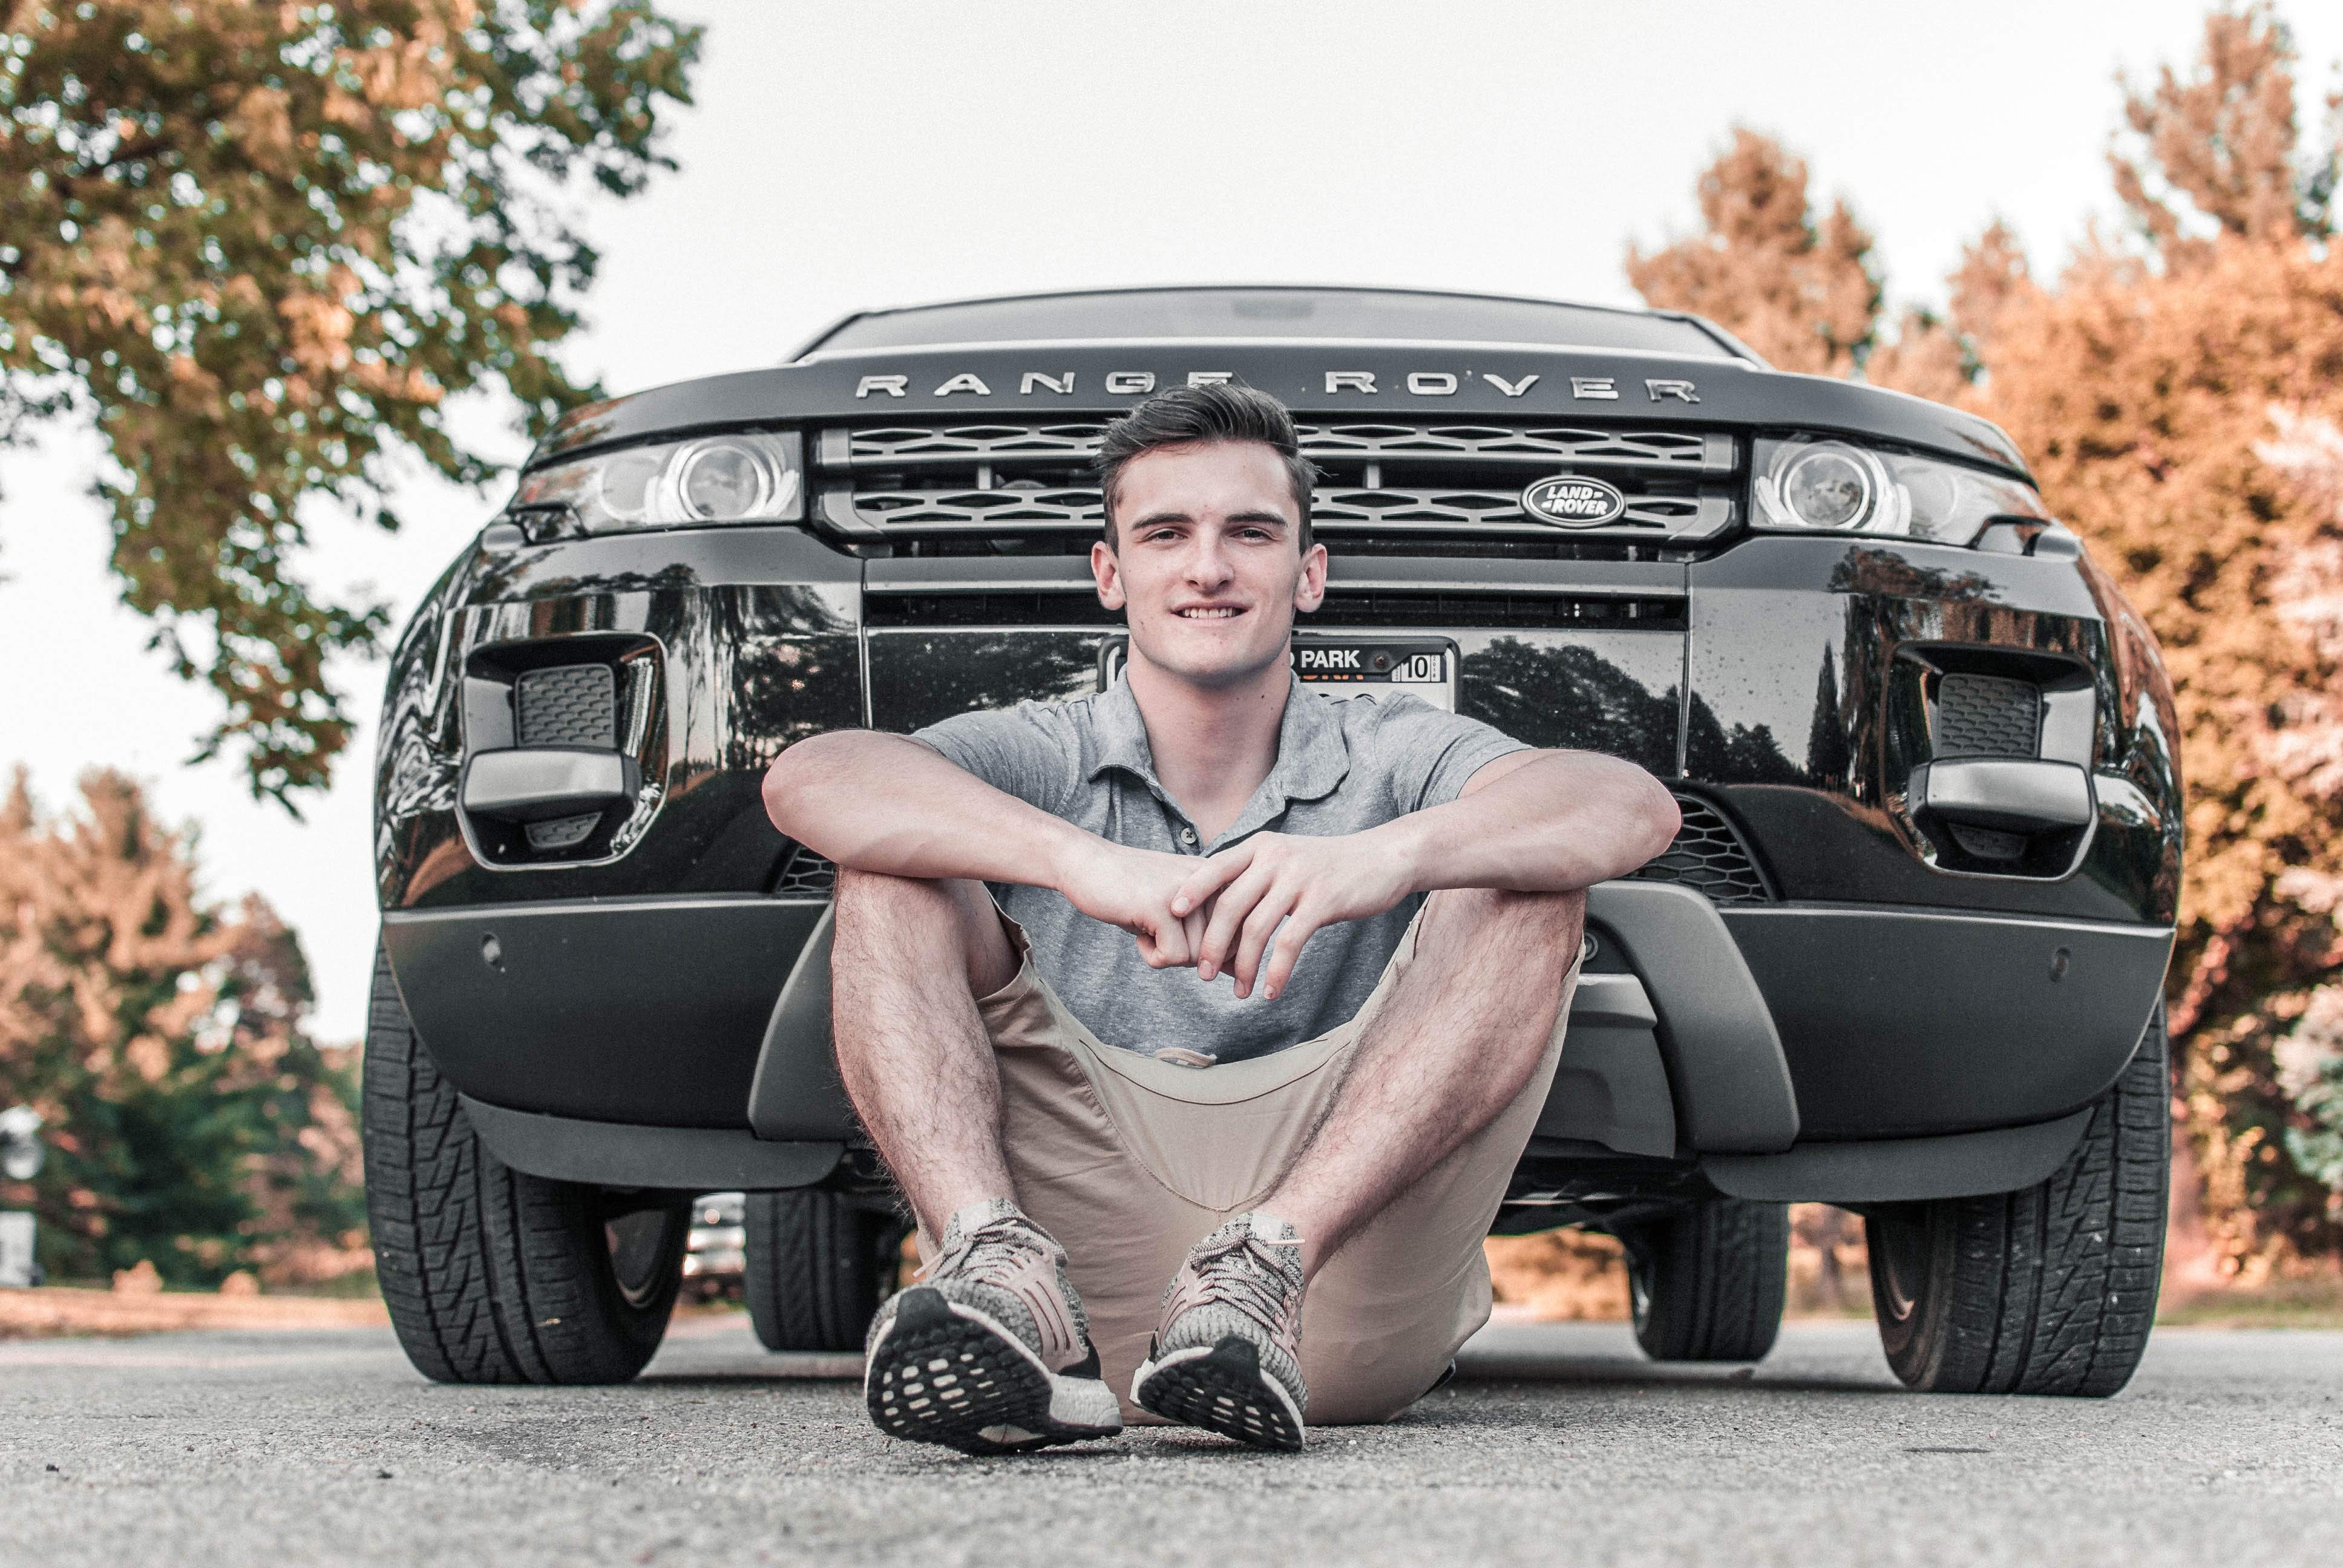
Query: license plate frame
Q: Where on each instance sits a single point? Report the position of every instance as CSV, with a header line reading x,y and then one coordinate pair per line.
x,y
1346,664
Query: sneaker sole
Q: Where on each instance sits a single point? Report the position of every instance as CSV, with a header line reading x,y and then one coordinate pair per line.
x,y
942,1372
1221,1389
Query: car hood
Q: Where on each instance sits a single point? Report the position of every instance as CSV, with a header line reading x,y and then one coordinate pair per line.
x,y
1318,379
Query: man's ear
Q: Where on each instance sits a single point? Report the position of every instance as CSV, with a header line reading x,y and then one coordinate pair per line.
x,y
1108,572
1310,589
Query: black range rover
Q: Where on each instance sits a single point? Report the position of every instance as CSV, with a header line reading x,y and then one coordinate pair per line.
x,y
1905,955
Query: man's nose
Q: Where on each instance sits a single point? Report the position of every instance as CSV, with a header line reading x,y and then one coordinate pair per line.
x,y
1208,564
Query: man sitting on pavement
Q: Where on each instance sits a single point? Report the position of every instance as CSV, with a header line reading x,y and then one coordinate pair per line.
x,y
1201,1020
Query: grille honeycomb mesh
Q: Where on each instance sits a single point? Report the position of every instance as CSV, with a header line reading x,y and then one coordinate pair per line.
x,y
1430,483
569,705
1641,448
1988,716
806,875
899,441
1707,857
1075,508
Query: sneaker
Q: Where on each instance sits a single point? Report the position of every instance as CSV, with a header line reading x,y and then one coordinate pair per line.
x,y
990,1353
1228,1356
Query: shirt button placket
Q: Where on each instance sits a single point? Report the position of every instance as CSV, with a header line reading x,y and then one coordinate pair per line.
x,y
1188,836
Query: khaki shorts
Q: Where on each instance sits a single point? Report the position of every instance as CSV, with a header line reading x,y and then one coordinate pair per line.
x,y
1129,1162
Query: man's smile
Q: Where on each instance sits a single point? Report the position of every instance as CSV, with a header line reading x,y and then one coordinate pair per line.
x,y
1209,611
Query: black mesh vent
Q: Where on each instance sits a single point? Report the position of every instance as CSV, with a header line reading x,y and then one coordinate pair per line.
x,y
806,875
1707,857
569,705
1988,716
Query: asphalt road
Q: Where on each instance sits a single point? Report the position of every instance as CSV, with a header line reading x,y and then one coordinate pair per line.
x,y
1558,1444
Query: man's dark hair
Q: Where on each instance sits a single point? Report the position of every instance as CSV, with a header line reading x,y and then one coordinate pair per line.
x,y
1183,416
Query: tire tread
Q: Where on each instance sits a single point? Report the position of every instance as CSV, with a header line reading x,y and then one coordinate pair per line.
x,y
813,1276
490,1275
2052,1290
1715,1277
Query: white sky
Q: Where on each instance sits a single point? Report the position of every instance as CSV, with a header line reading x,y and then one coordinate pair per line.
x,y
845,156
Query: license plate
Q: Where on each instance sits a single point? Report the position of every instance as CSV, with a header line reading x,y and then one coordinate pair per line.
x,y
1339,666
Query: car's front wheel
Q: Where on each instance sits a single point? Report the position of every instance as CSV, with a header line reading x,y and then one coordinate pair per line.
x,y
2050,1290
493,1275
1708,1284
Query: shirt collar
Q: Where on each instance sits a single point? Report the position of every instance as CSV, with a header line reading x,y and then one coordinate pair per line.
x,y
1312,756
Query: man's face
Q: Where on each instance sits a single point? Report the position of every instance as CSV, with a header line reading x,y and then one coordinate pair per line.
x,y
1209,571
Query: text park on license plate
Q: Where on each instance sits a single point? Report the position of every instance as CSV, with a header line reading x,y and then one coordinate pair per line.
x,y
1340,666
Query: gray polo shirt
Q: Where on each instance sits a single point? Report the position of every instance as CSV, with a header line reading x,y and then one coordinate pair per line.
x,y
1343,766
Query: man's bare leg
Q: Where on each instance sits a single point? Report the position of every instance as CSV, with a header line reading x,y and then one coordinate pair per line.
x,y
989,1352
909,961
1455,1043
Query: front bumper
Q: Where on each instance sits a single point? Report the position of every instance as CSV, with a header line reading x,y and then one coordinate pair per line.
x,y
675,1042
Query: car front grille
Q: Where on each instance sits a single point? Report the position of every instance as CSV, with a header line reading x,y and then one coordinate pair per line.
x,y
1708,857
940,489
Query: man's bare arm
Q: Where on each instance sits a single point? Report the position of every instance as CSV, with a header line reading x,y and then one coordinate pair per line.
x,y
1529,822
886,803
1535,822
878,802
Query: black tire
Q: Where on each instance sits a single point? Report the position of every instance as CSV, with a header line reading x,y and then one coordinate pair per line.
x,y
493,1275
816,1270
2050,1290
1708,1283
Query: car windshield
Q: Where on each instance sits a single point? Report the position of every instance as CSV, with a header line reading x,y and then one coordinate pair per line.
x,y
1390,315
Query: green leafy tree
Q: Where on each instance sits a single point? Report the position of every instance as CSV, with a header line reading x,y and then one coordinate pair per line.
x,y
192,1123
265,246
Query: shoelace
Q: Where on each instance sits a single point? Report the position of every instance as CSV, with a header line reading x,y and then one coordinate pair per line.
x,y
991,1252
1244,1273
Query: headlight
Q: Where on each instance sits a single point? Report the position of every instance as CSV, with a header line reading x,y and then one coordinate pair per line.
x,y
749,476
1809,484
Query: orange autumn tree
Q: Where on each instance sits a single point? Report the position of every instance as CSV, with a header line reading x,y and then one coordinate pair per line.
x,y
2179,394
1798,288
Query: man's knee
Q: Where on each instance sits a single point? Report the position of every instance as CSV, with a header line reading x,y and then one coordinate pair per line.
x,y
1538,922
914,919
